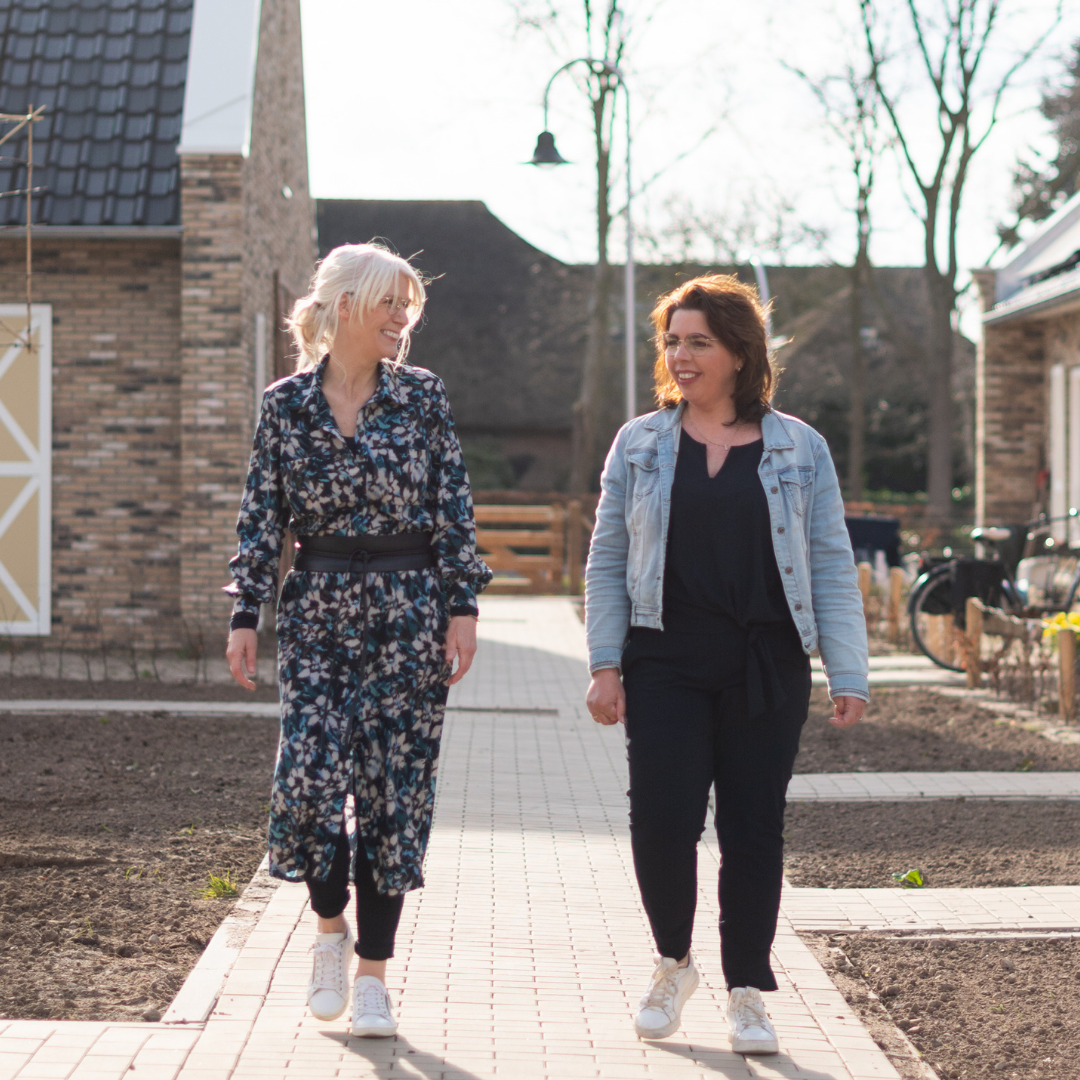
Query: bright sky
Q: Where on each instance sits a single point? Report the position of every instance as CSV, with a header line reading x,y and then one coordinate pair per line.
x,y
441,99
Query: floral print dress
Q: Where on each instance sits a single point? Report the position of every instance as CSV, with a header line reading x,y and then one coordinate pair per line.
x,y
361,662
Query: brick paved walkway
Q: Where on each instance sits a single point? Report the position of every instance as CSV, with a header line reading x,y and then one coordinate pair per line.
x,y
525,954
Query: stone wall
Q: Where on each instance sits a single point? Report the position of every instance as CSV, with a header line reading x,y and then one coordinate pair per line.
x,y
116,428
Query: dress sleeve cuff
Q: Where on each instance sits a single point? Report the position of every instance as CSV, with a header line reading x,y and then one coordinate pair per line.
x,y
461,599
244,620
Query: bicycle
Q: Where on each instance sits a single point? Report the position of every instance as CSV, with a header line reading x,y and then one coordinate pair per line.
x,y
1029,574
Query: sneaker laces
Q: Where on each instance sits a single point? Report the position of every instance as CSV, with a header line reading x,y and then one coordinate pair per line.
x,y
662,990
326,968
373,1000
751,1013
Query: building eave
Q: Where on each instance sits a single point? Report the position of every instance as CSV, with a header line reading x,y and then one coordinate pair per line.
x,y
1043,300
94,232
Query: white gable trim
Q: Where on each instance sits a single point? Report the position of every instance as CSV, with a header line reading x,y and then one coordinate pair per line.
x,y
220,89
1054,240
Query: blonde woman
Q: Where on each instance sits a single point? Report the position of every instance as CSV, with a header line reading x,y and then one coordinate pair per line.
x,y
357,455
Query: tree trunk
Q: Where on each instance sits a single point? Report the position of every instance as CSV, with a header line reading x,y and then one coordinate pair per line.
x,y
856,465
589,405
589,408
939,357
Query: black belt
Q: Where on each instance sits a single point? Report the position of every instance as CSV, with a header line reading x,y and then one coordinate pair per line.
x,y
363,554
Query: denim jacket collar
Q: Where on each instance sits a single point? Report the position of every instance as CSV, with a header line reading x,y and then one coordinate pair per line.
x,y
774,427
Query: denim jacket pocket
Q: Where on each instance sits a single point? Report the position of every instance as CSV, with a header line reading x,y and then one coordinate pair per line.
x,y
643,471
798,486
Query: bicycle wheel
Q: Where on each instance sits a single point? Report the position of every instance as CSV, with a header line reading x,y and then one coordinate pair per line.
x,y
933,621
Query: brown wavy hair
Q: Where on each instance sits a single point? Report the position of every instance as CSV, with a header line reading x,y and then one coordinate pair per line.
x,y
736,317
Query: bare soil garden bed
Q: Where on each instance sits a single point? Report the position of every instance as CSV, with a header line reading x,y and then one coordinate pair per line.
x,y
114,823
971,1009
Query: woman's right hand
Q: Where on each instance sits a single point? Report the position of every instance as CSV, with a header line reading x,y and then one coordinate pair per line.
x,y
606,698
240,653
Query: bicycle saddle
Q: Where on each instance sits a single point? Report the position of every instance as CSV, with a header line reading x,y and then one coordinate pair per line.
x,y
995,534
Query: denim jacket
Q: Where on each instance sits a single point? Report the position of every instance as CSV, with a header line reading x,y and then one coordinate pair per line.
x,y
624,581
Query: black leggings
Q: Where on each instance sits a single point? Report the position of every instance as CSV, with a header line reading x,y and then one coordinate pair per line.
x,y
688,729
377,915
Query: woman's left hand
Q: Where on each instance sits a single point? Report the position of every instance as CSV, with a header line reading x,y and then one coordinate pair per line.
x,y
849,710
460,645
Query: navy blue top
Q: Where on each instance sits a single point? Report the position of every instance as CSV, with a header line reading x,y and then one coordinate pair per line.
x,y
720,563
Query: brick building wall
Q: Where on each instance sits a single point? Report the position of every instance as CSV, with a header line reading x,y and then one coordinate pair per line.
x,y
242,234
154,344
216,374
1011,416
1063,339
280,213
116,423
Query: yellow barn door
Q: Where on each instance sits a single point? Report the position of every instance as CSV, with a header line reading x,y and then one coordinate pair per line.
x,y
25,469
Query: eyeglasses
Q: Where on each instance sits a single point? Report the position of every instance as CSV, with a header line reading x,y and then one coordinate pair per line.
x,y
394,304
695,343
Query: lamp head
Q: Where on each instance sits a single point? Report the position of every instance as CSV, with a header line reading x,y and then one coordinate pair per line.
x,y
545,152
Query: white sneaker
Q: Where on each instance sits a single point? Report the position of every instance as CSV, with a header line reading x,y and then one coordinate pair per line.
x,y
749,1026
372,1017
328,987
669,988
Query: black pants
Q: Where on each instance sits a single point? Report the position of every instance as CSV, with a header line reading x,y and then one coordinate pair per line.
x,y
688,729
377,915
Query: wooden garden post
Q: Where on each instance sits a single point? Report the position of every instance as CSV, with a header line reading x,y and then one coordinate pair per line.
x,y
574,538
1067,675
973,629
896,592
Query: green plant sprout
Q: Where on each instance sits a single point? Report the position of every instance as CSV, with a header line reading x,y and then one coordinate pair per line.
x,y
220,888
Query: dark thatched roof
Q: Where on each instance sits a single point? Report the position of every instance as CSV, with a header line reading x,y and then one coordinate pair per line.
x,y
505,323
506,329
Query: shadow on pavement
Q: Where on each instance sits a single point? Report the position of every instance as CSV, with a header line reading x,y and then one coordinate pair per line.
x,y
724,1063
386,1056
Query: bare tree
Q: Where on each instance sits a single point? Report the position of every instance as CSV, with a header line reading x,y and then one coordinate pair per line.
x,y
850,104
759,221
951,39
604,38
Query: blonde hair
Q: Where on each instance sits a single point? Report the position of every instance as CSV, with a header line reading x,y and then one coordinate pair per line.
x,y
363,273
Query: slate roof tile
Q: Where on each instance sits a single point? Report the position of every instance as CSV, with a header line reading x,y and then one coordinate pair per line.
x,y
111,74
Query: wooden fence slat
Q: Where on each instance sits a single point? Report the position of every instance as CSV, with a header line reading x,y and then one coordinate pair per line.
x,y
521,538
503,530
524,514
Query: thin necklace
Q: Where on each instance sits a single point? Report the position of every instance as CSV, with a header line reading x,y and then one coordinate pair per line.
x,y
712,442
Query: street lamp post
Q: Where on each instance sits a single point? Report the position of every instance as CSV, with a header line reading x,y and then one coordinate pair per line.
x,y
546,154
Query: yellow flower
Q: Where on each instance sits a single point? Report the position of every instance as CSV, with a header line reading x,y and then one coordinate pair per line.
x,y
1063,620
